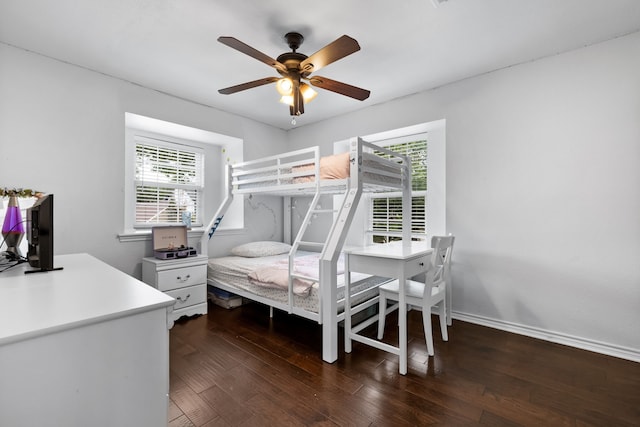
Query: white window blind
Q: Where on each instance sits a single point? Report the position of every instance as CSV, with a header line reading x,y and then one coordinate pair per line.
x,y
385,218
169,183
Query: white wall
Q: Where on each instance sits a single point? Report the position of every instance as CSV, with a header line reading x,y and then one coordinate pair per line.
x,y
542,178
62,132
543,192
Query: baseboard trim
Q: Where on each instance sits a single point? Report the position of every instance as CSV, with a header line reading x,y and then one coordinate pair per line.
x,y
572,341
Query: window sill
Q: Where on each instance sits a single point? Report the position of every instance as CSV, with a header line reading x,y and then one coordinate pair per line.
x,y
194,233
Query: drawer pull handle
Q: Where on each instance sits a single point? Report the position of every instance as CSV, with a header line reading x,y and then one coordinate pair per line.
x,y
185,298
180,279
421,264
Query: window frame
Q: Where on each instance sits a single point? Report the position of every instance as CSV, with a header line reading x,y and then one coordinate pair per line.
x,y
435,200
219,150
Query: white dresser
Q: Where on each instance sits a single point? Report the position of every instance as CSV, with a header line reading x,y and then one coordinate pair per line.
x,y
184,279
86,345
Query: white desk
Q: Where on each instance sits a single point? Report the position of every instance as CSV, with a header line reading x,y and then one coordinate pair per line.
x,y
393,260
86,345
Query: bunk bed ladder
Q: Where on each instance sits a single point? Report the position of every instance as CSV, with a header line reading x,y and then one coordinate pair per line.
x,y
331,252
331,247
299,242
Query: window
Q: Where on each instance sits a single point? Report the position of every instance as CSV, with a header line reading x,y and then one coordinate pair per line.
x,y
169,183
165,177
385,209
425,143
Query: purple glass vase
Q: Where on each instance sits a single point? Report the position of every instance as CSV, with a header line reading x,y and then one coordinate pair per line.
x,y
13,227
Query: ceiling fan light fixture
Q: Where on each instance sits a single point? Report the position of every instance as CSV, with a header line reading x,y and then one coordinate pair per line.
x,y
308,94
294,66
284,86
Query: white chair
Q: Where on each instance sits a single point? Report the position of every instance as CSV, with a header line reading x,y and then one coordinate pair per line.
x,y
423,296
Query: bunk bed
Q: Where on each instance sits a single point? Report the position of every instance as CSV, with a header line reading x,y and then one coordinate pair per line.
x,y
365,167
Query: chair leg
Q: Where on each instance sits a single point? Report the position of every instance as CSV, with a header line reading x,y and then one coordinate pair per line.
x,y
447,299
443,320
426,321
382,308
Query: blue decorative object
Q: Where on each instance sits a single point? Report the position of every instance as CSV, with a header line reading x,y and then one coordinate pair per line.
x,y
186,219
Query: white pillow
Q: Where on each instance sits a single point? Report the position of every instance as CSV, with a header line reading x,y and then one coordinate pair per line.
x,y
258,249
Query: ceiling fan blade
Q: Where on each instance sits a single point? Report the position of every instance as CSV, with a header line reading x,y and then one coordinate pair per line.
x,y
335,50
254,53
341,88
248,85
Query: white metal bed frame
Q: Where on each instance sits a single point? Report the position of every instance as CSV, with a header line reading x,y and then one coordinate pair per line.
x,y
277,175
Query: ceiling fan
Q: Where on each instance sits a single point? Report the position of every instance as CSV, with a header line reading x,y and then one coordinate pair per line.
x,y
294,67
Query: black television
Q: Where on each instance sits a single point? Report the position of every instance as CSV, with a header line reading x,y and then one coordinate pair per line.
x,y
40,234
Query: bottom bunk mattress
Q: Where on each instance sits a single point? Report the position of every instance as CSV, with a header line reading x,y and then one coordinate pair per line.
x,y
244,274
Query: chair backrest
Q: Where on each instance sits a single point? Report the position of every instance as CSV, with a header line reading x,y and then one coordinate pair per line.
x,y
439,272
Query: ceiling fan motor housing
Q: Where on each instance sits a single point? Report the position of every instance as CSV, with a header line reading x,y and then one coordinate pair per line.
x,y
291,60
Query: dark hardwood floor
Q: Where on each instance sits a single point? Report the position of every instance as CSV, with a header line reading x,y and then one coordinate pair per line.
x,y
239,368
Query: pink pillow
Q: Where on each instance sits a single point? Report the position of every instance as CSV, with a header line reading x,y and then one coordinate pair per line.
x,y
331,167
335,166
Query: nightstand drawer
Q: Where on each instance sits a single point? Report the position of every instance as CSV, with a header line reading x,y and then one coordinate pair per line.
x,y
182,277
189,296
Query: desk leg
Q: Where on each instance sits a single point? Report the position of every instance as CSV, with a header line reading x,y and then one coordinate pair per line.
x,y
347,306
402,322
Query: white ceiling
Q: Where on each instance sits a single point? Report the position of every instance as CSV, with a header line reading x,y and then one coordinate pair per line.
x,y
407,46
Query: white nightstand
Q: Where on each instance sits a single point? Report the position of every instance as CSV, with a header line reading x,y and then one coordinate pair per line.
x,y
184,279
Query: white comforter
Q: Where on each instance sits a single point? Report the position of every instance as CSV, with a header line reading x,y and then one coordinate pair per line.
x,y
234,271
276,274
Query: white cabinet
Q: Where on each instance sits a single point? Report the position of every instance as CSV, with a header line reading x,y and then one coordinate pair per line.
x,y
86,345
184,279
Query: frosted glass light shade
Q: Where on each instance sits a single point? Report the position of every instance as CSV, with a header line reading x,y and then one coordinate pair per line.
x,y
287,99
308,94
284,86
